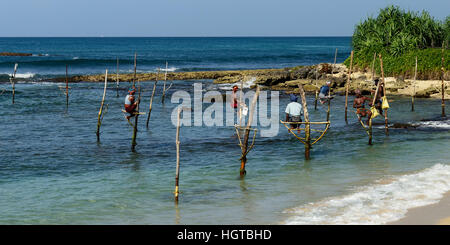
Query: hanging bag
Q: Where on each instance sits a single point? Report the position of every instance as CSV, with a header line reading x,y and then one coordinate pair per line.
x,y
384,104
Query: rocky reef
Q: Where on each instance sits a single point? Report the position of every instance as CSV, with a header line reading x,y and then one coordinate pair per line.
x,y
287,79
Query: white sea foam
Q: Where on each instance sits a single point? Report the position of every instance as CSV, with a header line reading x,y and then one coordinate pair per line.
x,y
443,124
247,84
436,124
49,83
39,55
23,75
75,58
169,69
379,203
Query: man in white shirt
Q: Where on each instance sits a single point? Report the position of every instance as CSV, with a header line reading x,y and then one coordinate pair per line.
x,y
130,103
293,111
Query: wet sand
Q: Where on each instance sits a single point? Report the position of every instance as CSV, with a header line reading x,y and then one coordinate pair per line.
x,y
434,214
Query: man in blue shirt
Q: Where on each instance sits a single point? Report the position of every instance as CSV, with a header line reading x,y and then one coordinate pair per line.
x,y
324,93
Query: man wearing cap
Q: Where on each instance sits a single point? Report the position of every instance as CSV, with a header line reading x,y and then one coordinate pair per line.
x,y
324,93
293,111
130,104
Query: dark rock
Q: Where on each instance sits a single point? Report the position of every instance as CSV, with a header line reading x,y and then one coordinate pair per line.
x,y
326,68
14,54
312,74
426,93
403,125
301,73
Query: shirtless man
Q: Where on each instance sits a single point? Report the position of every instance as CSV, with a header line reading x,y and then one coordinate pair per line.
x,y
359,102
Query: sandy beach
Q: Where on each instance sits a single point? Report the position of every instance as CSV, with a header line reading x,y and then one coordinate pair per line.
x,y
435,214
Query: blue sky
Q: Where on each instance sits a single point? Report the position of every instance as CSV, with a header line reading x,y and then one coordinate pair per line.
x,y
196,17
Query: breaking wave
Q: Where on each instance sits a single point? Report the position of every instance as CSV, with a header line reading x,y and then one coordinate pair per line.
x,y
23,75
385,201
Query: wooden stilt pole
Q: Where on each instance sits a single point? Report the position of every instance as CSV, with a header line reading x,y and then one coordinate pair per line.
x,y
244,146
442,83
373,104
241,94
67,90
315,101
13,90
117,77
13,83
307,123
307,126
347,86
317,92
317,72
373,65
329,106
308,141
335,56
414,87
151,99
133,138
334,64
177,174
100,112
135,63
164,86
386,129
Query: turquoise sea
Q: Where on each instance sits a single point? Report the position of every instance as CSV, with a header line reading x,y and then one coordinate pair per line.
x,y
53,170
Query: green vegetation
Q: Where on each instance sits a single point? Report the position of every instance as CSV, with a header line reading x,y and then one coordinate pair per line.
x,y
399,37
447,29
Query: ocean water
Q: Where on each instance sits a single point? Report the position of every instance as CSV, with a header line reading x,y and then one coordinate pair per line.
x,y
53,170
94,55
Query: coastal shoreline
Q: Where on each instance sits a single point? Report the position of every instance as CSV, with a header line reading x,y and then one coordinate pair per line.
x,y
434,214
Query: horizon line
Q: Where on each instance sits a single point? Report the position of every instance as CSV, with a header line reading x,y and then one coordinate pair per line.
x,y
154,36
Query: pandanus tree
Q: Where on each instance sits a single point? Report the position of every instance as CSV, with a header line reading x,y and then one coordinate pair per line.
x,y
395,31
447,29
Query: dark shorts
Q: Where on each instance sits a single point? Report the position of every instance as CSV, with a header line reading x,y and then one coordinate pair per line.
x,y
295,119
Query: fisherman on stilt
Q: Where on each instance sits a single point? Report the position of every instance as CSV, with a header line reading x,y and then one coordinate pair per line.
x,y
130,103
359,103
241,109
293,112
324,93
380,95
